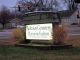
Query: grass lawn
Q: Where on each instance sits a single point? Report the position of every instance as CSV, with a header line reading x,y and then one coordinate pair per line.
x,y
21,53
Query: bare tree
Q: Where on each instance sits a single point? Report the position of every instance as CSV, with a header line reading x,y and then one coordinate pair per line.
x,y
46,4
26,6
5,16
32,4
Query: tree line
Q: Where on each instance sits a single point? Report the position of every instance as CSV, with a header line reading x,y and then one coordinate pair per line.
x,y
45,5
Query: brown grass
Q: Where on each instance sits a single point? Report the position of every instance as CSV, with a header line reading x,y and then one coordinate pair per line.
x,y
60,35
74,40
18,34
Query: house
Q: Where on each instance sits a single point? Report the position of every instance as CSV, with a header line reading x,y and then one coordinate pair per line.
x,y
66,12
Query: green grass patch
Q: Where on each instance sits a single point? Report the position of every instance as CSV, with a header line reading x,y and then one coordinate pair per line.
x,y
20,53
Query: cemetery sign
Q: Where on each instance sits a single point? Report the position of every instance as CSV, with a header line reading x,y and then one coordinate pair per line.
x,y
39,31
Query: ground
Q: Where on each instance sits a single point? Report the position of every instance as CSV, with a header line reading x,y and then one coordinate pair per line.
x,y
27,53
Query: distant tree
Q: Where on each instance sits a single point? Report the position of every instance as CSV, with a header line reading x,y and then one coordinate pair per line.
x,y
43,5
25,6
32,5
5,16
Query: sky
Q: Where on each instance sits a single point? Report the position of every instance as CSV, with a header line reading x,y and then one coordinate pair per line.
x,y
12,3
8,3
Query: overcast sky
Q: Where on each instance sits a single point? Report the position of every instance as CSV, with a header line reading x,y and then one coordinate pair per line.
x,y
12,3
8,3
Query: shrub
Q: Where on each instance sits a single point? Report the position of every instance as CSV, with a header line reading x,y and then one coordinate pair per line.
x,y
60,35
18,34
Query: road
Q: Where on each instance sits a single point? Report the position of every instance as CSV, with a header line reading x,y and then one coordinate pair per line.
x,y
74,30
5,35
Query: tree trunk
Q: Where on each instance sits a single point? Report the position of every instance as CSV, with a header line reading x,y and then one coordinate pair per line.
x,y
3,26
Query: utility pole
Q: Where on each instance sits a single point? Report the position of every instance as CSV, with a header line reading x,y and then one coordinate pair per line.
x,y
15,13
58,16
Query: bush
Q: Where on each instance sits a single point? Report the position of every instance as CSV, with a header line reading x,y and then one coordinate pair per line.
x,y
18,35
60,35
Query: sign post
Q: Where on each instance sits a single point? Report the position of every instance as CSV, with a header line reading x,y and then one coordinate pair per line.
x,y
39,32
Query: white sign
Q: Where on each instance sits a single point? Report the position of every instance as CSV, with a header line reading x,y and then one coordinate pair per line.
x,y
39,31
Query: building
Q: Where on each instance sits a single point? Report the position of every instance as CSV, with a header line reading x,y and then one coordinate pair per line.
x,y
66,9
